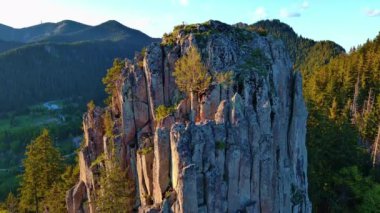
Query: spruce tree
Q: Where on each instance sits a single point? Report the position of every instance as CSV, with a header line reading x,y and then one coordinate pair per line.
x,y
43,167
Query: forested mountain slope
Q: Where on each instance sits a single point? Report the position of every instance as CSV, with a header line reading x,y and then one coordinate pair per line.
x,y
8,45
68,61
343,99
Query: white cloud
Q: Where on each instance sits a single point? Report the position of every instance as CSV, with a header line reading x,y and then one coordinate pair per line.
x,y
372,12
284,13
260,13
304,5
184,2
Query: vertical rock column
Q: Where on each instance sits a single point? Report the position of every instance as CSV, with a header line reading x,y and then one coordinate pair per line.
x,y
161,164
183,171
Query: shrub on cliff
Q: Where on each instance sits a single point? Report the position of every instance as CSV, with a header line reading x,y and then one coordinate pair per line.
x,y
162,111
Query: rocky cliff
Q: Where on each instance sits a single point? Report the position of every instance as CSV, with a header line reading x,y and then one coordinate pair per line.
x,y
244,152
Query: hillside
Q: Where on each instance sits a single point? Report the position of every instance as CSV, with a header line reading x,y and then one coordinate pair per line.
x,y
69,60
8,45
306,54
344,103
68,69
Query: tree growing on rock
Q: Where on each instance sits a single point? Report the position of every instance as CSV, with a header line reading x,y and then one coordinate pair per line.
x,y
112,78
116,192
225,80
191,77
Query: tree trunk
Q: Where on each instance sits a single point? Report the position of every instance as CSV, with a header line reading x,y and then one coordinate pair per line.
x,y
375,148
194,106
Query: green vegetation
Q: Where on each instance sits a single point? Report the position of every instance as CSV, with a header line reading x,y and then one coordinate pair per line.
x,y
306,54
43,166
10,205
371,200
19,127
258,61
116,191
342,95
69,60
108,124
66,70
145,150
343,99
297,195
191,77
97,161
191,74
58,190
91,106
200,35
163,111
225,79
44,181
221,145
113,76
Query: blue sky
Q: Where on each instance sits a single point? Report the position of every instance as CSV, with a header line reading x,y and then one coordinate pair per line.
x,y
347,22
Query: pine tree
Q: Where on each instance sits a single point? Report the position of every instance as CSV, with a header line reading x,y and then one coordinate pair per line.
x,y
59,189
55,198
11,203
333,111
43,166
191,77
112,78
115,193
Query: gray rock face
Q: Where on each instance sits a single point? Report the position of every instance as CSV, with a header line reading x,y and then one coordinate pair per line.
x,y
74,198
245,153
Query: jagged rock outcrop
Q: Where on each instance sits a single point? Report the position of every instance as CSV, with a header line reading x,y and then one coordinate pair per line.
x,y
246,151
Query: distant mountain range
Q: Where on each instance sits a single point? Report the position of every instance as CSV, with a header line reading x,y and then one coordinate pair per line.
x,y
58,60
70,31
66,59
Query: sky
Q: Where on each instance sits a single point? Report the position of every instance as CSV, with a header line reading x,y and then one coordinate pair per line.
x,y
347,22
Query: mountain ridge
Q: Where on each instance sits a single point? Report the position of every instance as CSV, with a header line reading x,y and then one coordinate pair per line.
x,y
44,31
